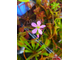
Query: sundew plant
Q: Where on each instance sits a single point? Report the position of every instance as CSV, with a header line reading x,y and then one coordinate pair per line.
x,y
39,29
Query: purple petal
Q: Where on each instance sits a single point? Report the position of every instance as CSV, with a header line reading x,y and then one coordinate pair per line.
x,y
38,23
42,26
33,24
34,30
40,31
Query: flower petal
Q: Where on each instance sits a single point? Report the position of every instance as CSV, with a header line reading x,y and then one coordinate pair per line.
x,y
34,30
40,31
42,26
38,23
33,24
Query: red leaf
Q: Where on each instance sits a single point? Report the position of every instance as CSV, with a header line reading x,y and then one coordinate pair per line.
x,y
18,48
21,29
27,35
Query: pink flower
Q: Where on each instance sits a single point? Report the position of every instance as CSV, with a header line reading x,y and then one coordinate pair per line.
x,y
38,28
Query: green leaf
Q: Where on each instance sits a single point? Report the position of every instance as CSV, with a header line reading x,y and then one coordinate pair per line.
x,y
51,11
27,47
45,53
47,42
22,33
33,55
19,44
27,51
37,45
29,57
24,0
22,41
28,44
33,44
23,46
55,6
36,58
42,47
25,41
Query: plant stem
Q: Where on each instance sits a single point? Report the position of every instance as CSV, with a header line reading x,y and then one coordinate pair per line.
x,y
53,19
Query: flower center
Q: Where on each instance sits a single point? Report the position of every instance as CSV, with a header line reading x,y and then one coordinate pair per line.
x,y
38,27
